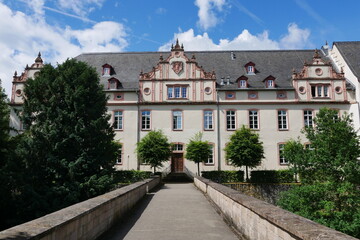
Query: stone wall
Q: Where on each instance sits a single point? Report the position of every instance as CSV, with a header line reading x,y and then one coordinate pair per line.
x,y
264,191
86,220
257,219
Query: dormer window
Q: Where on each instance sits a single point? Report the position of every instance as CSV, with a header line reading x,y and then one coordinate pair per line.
x,y
113,83
270,82
250,68
242,82
107,70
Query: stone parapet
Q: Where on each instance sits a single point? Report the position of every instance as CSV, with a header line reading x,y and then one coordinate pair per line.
x,y
257,219
86,220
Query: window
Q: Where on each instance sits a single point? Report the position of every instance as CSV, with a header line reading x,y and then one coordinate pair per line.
x,y
177,92
210,159
106,71
282,120
230,95
252,95
230,120
281,95
118,96
250,69
320,91
308,118
281,155
242,84
118,120
178,147
270,83
145,120
208,120
177,120
112,84
119,157
253,119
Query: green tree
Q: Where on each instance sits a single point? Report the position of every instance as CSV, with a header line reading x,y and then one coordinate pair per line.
x,y
154,149
334,150
330,173
197,150
4,126
68,145
244,149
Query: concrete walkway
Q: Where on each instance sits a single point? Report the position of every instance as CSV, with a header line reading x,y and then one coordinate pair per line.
x,y
176,211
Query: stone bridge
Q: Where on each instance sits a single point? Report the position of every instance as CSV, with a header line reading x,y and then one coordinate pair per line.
x,y
199,210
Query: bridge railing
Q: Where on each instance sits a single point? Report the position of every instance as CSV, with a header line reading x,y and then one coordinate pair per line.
x,y
86,220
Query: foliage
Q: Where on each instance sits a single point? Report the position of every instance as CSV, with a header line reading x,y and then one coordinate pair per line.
x,y
154,149
4,126
334,150
67,150
197,150
224,176
272,176
330,173
130,176
244,149
334,205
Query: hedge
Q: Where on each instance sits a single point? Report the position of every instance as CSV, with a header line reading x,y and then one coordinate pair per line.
x,y
130,176
224,176
272,176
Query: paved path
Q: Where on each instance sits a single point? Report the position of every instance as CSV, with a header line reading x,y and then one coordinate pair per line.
x,y
176,211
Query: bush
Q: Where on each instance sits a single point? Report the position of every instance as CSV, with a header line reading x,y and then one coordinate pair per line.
x,y
272,176
130,176
334,205
224,176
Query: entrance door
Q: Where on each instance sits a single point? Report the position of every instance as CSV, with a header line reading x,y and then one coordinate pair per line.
x,y
177,162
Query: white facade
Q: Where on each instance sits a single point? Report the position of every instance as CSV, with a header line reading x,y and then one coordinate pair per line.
x,y
182,98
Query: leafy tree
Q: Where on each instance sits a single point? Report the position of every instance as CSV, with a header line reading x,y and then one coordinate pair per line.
x,y
68,149
197,150
330,173
154,149
334,150
4,126
244,149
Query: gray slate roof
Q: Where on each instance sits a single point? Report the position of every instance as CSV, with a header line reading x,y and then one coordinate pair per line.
x,y
351,53
277,63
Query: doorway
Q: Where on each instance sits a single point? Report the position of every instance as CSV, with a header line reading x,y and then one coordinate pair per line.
x,y
177,162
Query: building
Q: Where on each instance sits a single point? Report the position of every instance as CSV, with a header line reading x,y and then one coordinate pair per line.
x,y
275,93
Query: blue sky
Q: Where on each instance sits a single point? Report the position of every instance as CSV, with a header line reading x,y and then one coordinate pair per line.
x,y
63,29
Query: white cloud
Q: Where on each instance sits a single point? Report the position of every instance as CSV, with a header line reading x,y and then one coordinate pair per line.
x,y
296,38
26,35
206,13
80,7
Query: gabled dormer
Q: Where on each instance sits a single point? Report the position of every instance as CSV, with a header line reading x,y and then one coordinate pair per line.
x,y
242,82
269,82
319,81
250,68
114,83
107,70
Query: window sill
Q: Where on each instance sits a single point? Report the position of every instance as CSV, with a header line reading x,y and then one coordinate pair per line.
x,y
118,130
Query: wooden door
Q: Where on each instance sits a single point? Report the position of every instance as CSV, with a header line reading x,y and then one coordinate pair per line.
x,y
177,162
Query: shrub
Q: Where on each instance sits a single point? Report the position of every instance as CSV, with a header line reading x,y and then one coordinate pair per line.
x,y
272,176
224,176
130,176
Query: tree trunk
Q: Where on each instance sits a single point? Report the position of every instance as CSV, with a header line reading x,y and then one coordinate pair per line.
x,y
198,169
154,169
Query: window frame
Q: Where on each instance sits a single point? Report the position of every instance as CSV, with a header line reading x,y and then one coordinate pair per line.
x,y
117,162
306,116
177,91
281,157
206,126
145,122
321,90
232,122
175,118
115,124
257,119
212,156
280,120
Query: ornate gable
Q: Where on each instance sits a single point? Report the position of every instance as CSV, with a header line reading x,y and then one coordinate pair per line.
x,y
177,66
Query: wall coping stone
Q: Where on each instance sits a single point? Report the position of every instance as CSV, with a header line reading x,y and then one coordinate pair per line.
x,y
295,225
40,227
